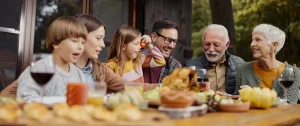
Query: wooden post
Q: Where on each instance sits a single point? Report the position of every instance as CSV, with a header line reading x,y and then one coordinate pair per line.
x,y
221,13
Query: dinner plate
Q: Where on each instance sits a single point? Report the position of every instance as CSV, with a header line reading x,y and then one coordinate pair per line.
x,y
238,107
54,99
179,113
50,100
278,101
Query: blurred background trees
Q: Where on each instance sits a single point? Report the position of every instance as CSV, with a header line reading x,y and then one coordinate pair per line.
x,y
247,14
46,12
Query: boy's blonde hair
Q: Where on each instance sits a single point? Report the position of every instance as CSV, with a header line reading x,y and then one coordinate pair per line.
x,y
62,28
124,35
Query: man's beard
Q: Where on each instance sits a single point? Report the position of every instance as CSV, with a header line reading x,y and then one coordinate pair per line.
x,y
216,58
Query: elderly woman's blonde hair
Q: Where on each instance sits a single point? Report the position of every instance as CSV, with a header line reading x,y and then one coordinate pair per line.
x,y
272,34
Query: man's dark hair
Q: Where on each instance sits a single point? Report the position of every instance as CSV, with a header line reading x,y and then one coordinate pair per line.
x,y
163,24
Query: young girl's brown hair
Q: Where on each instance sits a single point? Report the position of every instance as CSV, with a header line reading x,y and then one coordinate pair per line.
x,y
92,24
124,35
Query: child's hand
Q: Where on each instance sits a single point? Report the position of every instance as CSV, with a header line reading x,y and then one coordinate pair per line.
x,y
147,41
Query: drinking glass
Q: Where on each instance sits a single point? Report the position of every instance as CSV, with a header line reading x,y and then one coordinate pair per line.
x,y
193,67
286,79
202,75
202,78
96,96
134,86
42,74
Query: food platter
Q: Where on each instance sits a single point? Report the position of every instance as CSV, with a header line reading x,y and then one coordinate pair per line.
x,y
177,113
150,119
35,114
239,107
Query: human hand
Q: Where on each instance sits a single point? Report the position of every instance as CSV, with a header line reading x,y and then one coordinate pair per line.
x,y
11,90
146,42
244,86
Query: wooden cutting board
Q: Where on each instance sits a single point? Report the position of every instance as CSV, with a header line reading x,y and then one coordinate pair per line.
x,y
151,118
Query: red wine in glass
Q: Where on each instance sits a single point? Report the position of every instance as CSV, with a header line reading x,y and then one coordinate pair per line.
x,y
286,79
42,72
41,78
286,83
202,77
199,79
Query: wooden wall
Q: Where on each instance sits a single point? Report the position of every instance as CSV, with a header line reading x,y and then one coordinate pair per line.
x,y
179,11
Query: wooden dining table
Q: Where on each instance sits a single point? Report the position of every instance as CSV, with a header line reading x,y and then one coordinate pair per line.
x,y
254,117
281,115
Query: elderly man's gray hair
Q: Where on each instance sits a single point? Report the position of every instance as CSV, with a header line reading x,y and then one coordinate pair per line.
x,y
272,34
217,26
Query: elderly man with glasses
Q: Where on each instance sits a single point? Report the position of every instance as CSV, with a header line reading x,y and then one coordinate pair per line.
x,y
164,36
221,66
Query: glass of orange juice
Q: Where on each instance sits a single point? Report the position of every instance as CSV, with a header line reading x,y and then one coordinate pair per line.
x,y
96,96
134,86
76,93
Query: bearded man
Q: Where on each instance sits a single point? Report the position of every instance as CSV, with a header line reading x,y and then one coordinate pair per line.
x,y
221,66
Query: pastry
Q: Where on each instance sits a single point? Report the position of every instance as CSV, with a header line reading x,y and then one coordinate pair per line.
x,y
61,109
79,114
37,111
7,115
104,114
128,112
89,109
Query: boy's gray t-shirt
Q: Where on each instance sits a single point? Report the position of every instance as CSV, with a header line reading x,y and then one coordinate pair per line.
x,y
30,91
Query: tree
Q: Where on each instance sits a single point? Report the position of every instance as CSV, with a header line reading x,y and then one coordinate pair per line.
x,y
47,12
281,13
221,13
201,18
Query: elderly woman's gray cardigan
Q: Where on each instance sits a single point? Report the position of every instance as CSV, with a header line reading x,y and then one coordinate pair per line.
x,y
247,76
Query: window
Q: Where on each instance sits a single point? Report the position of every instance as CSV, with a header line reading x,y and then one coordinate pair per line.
x,y
114,14
9,37
46,12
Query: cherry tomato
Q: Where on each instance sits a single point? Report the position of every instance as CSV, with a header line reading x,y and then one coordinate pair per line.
x,y
142,44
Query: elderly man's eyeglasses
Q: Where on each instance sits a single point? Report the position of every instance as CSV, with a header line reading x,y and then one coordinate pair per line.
x,y
167,39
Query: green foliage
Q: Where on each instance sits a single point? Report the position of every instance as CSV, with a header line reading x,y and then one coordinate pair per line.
x,y
281,13
43,20
201,18
284,14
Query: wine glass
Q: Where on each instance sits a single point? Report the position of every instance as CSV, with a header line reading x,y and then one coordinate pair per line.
x,y
202,77
42,73
193,67
286,79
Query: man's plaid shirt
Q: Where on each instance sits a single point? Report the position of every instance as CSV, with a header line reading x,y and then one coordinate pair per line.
x,y
168,68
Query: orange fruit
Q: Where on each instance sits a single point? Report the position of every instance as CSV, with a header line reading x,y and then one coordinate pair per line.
x,y
142,44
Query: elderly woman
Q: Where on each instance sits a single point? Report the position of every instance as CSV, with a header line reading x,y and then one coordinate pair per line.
x,y
267,40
